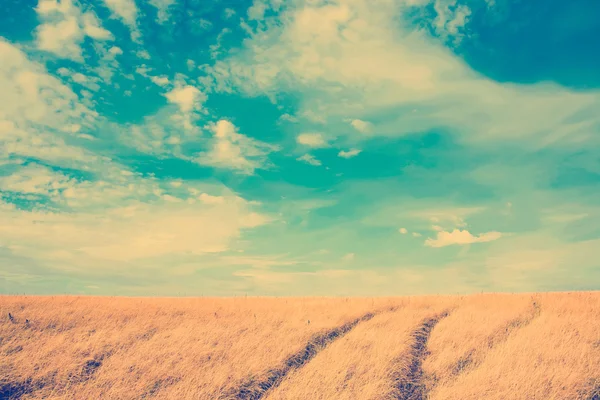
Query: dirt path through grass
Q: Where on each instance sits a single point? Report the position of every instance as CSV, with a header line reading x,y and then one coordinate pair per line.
x,y
256,389
410,384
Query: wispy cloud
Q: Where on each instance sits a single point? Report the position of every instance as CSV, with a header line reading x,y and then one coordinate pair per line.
x,y
361,126
233,150
460,237
349,154
310,159
417,80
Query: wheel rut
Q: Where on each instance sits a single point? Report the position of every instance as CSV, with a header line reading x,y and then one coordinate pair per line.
x,y
254,389
409,380
473,357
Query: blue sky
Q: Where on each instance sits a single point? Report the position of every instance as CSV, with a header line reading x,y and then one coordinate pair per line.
x,y
275,147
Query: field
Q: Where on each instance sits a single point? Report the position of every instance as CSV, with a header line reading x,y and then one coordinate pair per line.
x,y
489,346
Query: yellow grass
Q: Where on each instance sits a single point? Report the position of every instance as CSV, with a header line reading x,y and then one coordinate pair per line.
x,y
543,346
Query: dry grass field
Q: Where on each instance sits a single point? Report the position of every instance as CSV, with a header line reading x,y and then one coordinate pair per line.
x,y
493,346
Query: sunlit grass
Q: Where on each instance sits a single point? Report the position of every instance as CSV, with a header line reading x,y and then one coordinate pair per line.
x,y
542,346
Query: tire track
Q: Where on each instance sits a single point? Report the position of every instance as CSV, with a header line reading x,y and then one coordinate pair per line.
x,y
475,356
409,381
256,389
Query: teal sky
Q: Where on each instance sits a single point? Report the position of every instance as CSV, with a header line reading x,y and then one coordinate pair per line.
x,y
313,147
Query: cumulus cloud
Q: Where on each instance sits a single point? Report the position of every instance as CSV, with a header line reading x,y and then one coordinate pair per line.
x,y
349,154
309,159
233,150
87,208
38,113
361,126
460,237
186,97
403,231
314,140
164,81
64,27
126,10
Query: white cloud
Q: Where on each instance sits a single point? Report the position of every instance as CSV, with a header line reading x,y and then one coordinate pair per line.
x,y
416,234
309,159
355,59
93,29
126,234
62,38
349,154
361,126
235,151
208,199
34,179
162,7
143,54
229,12
64,28
38,112
450,19
186,97
79,78
315,140
403,231
460,237
115,51
164,81
124,9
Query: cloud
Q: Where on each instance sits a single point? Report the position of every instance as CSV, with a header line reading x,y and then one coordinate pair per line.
x,y
34,179
143,54
125,234
162,7
164,81
384,65
349,154
38,113
208,199
403,231
309,159
61,38
314,140
93,29
86,208
233,150
451,19
361,126
124,9
64,27
460,237
186,97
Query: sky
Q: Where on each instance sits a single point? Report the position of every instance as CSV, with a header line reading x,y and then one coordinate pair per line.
x,y
299,147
